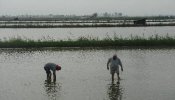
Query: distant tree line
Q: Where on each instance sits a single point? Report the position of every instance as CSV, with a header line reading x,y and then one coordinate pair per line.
x,y
94,16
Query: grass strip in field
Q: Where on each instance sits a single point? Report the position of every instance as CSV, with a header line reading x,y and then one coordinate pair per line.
x,y
132,41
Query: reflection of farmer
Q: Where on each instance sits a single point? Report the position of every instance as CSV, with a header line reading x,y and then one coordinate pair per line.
x,y
114,66
115,92
53,67
53,90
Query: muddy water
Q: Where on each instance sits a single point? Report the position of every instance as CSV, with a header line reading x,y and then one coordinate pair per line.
x,y
148,75
75,33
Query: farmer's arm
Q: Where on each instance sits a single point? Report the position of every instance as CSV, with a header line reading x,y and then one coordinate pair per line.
x,y
54,76
121,64
108,64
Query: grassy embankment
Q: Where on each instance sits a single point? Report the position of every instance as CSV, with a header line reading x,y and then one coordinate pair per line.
x,y
132,41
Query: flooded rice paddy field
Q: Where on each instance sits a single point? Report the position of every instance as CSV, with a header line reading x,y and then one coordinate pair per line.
x,y
148,74
74,33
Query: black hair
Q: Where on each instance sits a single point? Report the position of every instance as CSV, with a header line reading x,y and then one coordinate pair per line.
x,y
114,57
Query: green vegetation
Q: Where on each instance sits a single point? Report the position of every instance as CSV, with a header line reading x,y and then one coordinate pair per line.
x,y
132,41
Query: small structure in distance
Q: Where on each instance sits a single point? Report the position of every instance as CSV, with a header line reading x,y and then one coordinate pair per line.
x,y
140,22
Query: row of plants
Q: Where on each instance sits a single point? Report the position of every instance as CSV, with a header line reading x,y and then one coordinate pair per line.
x,y
132,41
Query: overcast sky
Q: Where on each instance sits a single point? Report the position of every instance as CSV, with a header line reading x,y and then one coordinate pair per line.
x,y
83,7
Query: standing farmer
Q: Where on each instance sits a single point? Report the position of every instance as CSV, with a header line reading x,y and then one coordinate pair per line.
x,y
53,67
114,66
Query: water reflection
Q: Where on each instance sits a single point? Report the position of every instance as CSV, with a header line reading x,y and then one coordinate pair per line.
x,y
52,89
115,91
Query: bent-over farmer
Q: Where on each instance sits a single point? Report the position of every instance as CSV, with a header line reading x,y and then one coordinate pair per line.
x,y
51,67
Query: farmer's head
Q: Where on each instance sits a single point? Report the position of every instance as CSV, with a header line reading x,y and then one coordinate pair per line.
x,y
58,67
114,57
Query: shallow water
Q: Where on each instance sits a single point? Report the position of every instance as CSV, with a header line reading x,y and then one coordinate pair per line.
x,y
148,75
74,33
